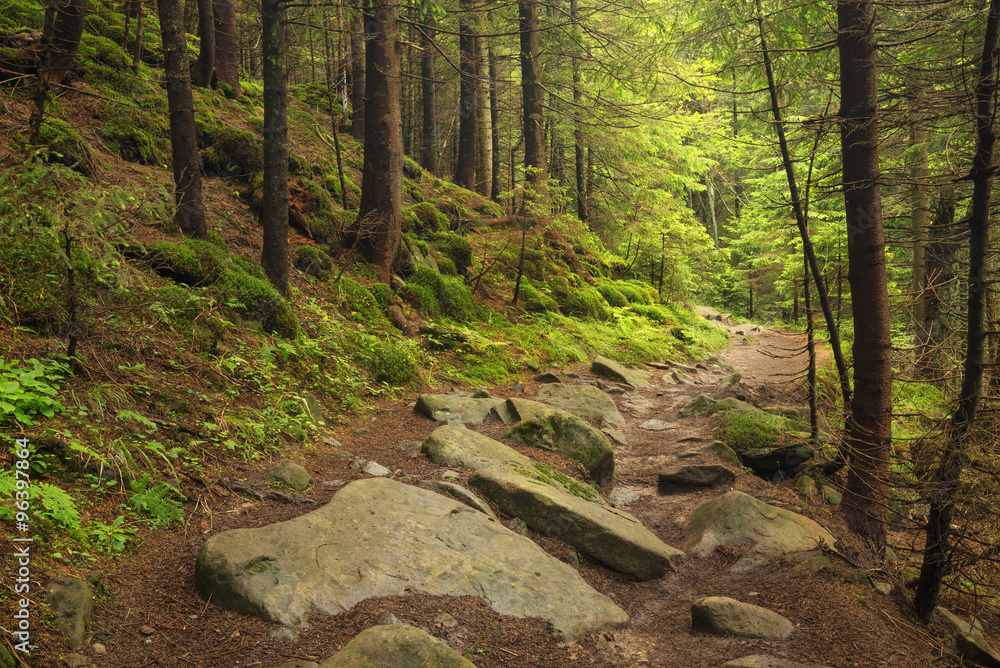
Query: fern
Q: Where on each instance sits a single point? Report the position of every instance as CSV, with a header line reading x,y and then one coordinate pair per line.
x,y
48,504
158,502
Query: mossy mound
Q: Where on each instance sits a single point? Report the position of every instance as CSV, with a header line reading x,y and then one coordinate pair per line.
x,y
229,151
453,298
312,261
64,145
585,302
425,218
651,312
386,361
749,431
456,248
135,135
533,301
358,303
612,295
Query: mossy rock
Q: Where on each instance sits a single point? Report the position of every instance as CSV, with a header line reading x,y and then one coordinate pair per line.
x,y
457,248
229,151
652,312
533,301
447,267
636,292
612,295
37,297
586,303
66,146
453,297
360,304
423,299
257,300
388,362
428,219
750,431
135,135
312,261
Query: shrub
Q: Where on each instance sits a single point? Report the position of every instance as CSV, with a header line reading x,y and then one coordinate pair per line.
x,y
390,363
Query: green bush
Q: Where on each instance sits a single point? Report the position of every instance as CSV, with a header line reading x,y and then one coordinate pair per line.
x,y
390,363
457,248
257,300
422,298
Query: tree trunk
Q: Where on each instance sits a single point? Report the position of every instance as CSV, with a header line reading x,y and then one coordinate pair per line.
x,y
465,165
429,134
137,47
531,93
495,121
334,121
380,217
41,96
66,38
942,504
580,161
227,69
918,214
939,255
869,423
190,213
484,138
274,209
358,77
204,66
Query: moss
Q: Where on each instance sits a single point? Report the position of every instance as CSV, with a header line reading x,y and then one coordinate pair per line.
x,y
427,216
193,262
453,297
534,301
560,288
360,304
230,151
257,300
383,295
651,312
312,261
66,146
447,267
298,165
410,221
456,247
135,135
387,362
749,431
585,303
36,298
612,295
423,299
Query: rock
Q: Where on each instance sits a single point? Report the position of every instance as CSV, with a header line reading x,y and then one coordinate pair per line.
x,y
378,537
970,642
332,442
409,446
883,588
146,630
810,561
722,450
622,496
778,463
313,409
602,366
282,633
730,380
657,425
700,405
450,475
547,378
396,646
370,467
292,475
298,663
807,485
611,536
583,400
676,478
760,661
73,604
7,659
725,616
553,429
736,517
98,648
517,525
330,484
615,436
482,394
74,660
832,496
459,493
386,618
465,410
451,445
446,620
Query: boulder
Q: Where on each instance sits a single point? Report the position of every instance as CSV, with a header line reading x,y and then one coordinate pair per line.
x,y
553,429
657,425
778,463
396,646
292,475
379,537
726,616
760,661
602,366
700,405
547,378
730,380
676,478
736,517
72,601
465,410
459,493
722,450
452,445
613,537
970,642
583,400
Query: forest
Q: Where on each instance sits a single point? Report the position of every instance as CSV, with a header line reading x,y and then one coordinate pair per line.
x,y
231,229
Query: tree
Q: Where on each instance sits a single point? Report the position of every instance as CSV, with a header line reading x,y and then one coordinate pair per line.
x,y
465,165
274,207
358,68
204,67
66,38
378,229
217,59
190,213
869,423
484,122
531,93
429,134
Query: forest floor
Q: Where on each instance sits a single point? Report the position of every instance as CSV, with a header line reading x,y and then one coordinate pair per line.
x,y
148,612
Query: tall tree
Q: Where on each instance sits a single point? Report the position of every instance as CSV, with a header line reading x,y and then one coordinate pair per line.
x,y
465,166
942,503
579,150
66,38
203,68
379,224
358,69
869,423
531,93
190,213
274,208
43,77
484,122
428,90
227,49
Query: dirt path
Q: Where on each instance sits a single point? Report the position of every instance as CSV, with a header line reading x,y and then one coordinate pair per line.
x,y
150,614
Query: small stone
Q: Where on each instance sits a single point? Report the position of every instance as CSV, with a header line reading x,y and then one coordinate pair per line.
x,y
657,425
361,432
725,616
331,484
99,648
293,475
74,660
883,588
283,633
617,438
482,394
386,618
730,380
621,496
446,620
704,475
547,378
518,526
407,446
146,630
73,603
807,485
332,442
832,496
451,475
370,467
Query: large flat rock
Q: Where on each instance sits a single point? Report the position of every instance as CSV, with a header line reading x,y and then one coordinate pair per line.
x,y
466,410
584,400
736,517
379,537
726,616
602,366
611,536
396,646
456,446
761,661
549,428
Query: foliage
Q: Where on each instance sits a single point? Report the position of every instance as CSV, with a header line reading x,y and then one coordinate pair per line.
x,y
453,297
112,537
27,394
48,503
159,501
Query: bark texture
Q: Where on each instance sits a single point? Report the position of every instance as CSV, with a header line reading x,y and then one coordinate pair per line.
x,y
66,38
227,51
358,76
428,90
531,93
274,210
468,101
204,66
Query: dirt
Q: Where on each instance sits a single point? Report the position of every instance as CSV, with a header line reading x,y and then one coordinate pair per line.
x,y
148,612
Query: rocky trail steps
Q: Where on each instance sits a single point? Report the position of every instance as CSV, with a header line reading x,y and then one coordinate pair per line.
x,y
456,530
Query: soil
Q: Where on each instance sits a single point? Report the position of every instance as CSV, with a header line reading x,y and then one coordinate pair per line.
x,y
148,612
